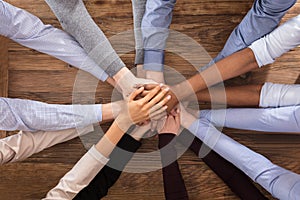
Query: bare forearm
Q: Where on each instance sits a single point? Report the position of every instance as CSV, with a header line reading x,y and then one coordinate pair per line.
x,y
247,95
109,141
232,66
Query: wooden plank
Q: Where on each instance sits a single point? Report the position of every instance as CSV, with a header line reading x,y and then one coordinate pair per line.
x,y
3,72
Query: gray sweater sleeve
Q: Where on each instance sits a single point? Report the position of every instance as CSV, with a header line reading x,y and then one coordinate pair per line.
x,y
75,19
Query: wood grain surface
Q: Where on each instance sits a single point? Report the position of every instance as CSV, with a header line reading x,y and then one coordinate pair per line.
x,y
37,76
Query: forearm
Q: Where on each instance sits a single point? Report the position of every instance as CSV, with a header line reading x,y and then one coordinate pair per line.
x,y
78,178
263,17
155,31
76,20
251,163
18,147
27,115
232,66
238,96
97,157
99,186
28,30
138,11
236,180
173,182
281,40
284,119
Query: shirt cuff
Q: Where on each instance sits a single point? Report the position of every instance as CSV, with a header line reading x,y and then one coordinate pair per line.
x,y
97,155
154,60
98,111
139,56
261,52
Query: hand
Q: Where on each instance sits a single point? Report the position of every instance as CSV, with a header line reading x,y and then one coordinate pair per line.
x,y
127,82
172,124
140,131
173,101
136,111
186,119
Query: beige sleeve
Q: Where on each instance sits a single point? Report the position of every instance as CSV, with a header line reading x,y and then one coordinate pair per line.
x,y
24,144
79,176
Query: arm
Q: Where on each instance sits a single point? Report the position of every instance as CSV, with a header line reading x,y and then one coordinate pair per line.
x,y
18,147
75,19
261,52
238,96
263,17
261,170
138,10
27,115
173,182
28,30
234,178
135,111
155,31
106,178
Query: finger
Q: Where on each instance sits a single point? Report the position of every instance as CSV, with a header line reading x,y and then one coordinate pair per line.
x,y
150,86
159,98
153,125
155,108
161,104
145,92
135,93
158,114
151,94
177,117
173,112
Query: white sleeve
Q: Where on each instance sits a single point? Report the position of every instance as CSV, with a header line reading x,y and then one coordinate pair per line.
x,y
18,147
28,30
79,176
279,41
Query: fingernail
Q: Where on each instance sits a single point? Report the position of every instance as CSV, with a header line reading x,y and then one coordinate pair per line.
x,y
165,107
167,89
161,85
169,97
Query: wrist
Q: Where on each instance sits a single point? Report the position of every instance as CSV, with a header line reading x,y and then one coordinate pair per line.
x,y
124,122
155,76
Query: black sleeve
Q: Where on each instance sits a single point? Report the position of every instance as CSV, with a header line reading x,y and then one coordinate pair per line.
x,y
174,187
236,180
110,173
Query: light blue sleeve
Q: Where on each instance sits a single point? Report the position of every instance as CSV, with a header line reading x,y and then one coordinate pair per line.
x,y
28,30
281,183
283,119
263,17
27,115
155,31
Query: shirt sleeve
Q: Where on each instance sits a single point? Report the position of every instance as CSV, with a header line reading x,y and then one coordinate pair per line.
x,y
28,30
278,42
99,186
76,20
78,178
174,186
262,18
27,115
20,146
155,31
